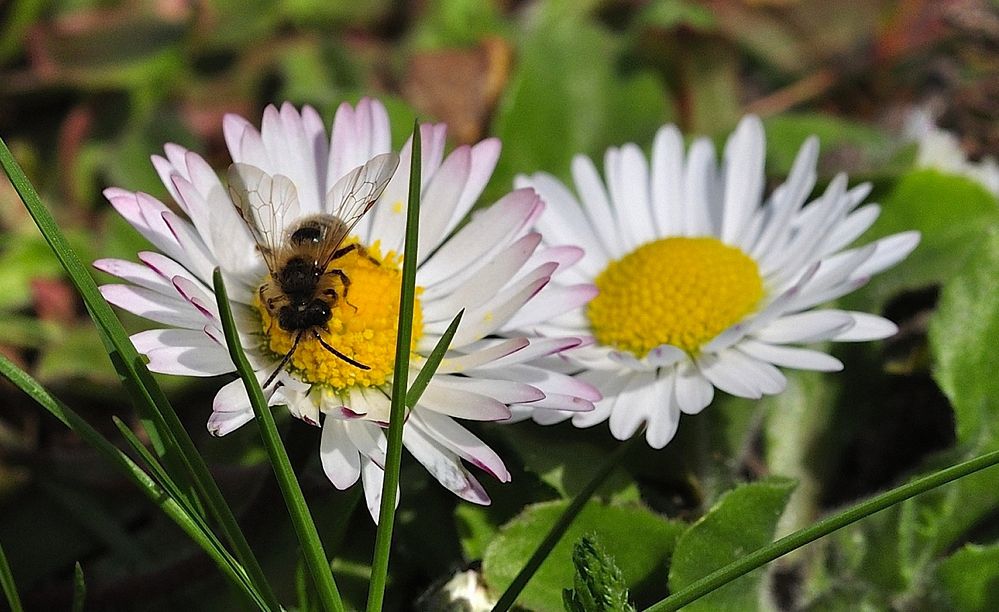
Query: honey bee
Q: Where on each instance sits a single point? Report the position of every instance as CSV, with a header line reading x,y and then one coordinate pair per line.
x,y
304,284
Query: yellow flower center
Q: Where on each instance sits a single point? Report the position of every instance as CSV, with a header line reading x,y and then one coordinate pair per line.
x,y
363,326
678,291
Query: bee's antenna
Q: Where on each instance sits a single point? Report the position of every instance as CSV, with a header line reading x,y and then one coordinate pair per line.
x,y
284,361
356,364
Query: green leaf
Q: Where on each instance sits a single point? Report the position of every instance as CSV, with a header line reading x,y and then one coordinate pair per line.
x,y
963,335
7,582
970,579
638,540
79,588
597,586
949,211
741,522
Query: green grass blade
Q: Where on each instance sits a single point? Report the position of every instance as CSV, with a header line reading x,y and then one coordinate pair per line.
x,y
524,576
191,526
7,581
301,519
79,589
400,380
433,362
166,433
809,534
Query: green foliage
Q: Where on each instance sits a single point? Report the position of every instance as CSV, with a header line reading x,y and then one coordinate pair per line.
x,y
639,541
743,520
969,579
597,586
962,337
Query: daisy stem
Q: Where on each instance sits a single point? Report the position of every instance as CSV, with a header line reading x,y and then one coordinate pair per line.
x,y
822,528
166,433
557,530
400,383
301,518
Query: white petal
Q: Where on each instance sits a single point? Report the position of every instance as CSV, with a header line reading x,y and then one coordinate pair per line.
x,y
791,357
462,404
154,306
462,442
727,371
461,363
633,404
340,459
596,205
693,391
810,326
443,464
890,251
667,181
665,418
745,153
866,327
487,232
700,183
190,361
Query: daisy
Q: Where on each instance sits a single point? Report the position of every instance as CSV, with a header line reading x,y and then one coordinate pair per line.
x,y
703,282
289,170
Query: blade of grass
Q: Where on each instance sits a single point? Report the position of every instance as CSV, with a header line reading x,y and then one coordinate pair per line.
x,y
191,526
167,434
558,530
400,380
305,528
79,589
7,580
796,540
433,362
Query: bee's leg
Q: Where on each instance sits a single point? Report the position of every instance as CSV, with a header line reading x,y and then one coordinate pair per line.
x,y
284,360
346,287
328,347
355,247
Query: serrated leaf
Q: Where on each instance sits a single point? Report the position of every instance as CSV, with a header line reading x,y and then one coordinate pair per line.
x,y
639,541
969,578
742,521
598,585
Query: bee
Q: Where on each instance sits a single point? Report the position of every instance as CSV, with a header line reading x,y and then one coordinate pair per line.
x,y
304,284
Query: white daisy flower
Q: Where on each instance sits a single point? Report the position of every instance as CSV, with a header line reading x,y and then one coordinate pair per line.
x,y
289,171
704,283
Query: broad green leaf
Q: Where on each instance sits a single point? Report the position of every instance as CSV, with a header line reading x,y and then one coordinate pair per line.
x,y
555,104
969,579
949,211
742,521
639,541
597,586
963,337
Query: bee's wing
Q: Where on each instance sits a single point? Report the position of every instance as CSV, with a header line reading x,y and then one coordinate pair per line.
x,y
266,203
354,195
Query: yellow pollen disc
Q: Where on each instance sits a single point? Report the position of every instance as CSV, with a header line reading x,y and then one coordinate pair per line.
x,y
678,291
366,334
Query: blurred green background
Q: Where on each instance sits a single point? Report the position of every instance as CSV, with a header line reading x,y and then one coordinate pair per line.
x,y
89,89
